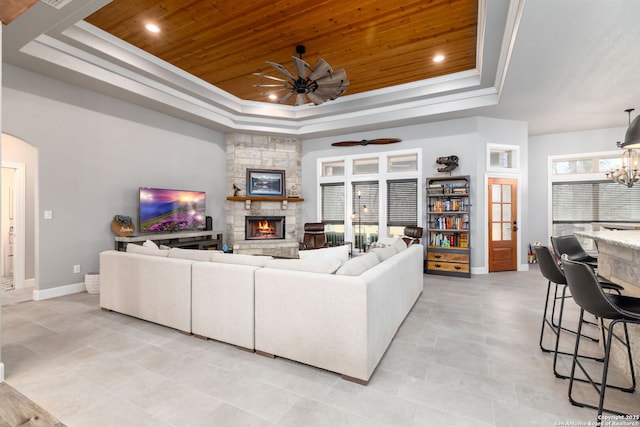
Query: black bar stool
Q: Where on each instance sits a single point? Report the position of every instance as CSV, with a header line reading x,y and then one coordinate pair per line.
x,y
554,274
588,294
571,246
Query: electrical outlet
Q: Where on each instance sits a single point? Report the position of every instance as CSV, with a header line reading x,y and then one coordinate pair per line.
x,y
76,268
48,214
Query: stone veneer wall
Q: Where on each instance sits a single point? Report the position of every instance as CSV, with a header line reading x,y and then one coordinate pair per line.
x,y
262,152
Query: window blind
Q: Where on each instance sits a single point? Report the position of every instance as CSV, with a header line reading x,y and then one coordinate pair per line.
x,y
369,198
574,202
402,202
332,203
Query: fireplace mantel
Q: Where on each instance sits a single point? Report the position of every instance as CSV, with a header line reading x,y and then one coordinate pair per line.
x,y
248,199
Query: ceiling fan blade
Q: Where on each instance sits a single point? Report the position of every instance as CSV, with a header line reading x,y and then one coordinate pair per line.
x,y
317,98
285,98
302,67
378,141
321,69
273,91
281,69
300,99
339,75
266,76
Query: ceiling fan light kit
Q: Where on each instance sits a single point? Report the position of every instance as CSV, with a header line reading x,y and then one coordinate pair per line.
x,y
316,85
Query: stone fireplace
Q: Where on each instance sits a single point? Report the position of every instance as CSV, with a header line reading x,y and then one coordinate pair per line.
x,y
264,227
262,152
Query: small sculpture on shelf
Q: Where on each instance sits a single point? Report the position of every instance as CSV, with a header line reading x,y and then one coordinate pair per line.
x,y
236,190
293,191
122,225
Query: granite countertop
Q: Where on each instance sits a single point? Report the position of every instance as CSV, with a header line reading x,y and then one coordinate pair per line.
x,y
623,238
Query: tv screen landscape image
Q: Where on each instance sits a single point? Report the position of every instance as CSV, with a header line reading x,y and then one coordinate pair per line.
x,y
163,210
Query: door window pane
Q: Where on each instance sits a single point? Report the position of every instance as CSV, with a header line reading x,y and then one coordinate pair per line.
x,y
495,193
506,193
496,231
506,231
496,212
506,212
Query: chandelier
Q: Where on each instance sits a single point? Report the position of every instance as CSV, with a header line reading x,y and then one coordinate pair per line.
x,y
629,172
319,84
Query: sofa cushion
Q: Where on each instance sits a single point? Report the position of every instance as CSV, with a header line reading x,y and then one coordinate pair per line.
x,y
242,259
384,253
340,253
192,254
139,249
327,266
395,242
358,265
369,260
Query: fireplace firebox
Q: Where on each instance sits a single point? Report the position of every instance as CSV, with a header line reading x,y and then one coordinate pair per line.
x,y
264,227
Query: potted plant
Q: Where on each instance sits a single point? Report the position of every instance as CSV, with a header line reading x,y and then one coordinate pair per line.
x,y
122,225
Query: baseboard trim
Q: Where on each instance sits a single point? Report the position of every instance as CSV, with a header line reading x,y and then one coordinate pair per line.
x,y
1,372
59,291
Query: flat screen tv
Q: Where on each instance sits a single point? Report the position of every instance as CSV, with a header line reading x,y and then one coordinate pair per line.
x,y
163,210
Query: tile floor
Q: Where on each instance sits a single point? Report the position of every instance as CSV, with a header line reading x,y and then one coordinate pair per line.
x,y
467,355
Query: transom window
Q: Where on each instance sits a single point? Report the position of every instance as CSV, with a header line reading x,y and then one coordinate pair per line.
x,y
581,194
389,196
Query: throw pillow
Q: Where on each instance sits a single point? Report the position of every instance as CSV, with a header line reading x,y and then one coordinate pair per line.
x,y
150,244
353,267
340,253
395,242
384,253
369,260
377,245
242,259
138,249
327,266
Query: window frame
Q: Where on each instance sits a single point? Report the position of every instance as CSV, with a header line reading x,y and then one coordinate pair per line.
x,y
382,176
595,177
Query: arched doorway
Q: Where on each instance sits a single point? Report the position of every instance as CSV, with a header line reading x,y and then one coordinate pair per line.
x,y
18,219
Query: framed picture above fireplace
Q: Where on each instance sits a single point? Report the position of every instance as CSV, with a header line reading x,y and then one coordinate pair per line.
x,y
265,182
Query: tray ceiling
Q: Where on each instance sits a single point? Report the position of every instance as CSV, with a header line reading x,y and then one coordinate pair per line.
x,y
379,43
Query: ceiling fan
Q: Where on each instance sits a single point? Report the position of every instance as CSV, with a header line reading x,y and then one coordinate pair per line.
x,y
319,84
379,141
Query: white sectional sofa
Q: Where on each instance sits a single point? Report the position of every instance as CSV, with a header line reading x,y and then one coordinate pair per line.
x,y
324,309
153,288
336,322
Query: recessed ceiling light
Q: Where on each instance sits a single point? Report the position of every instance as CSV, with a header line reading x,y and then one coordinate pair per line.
x,y
273,96
438,58
153,28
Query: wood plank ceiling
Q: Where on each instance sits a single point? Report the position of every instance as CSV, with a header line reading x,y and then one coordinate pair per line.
x,y
12,9
379,43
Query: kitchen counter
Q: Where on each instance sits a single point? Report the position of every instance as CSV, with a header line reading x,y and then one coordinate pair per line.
x,y
619,261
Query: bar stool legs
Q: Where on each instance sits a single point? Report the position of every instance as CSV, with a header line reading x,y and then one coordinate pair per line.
x,y
598,386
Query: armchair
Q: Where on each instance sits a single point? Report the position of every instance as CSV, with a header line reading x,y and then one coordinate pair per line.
x,y
314,236
412,235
